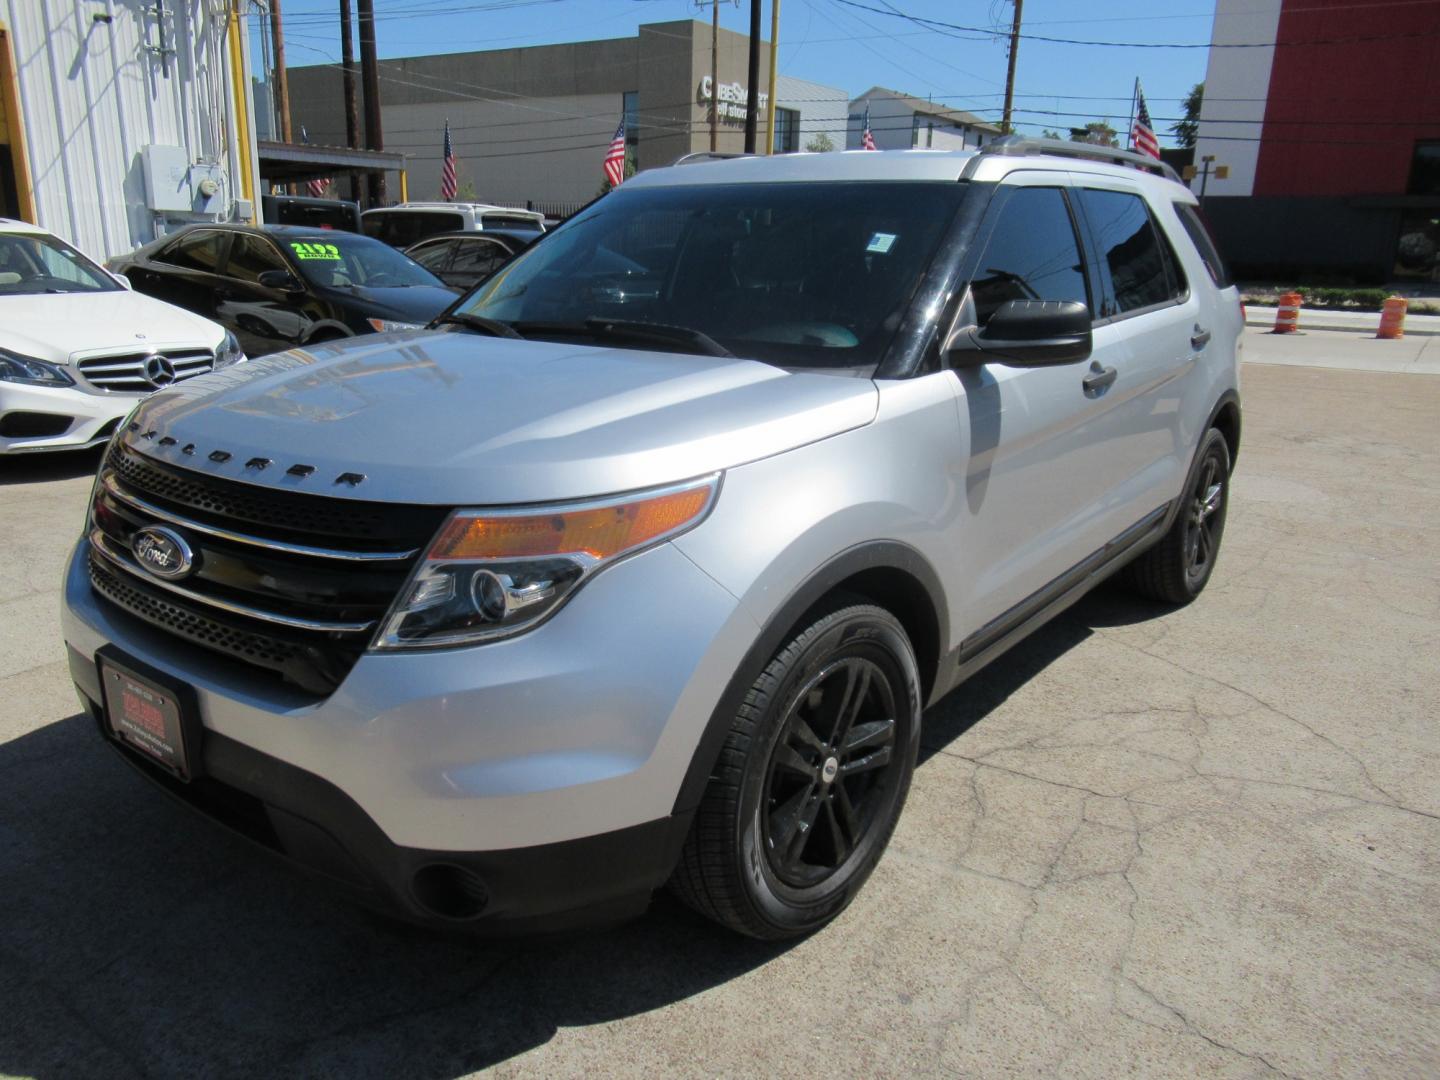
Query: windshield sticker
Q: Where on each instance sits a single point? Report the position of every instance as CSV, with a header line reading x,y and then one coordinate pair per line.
x,y
881,243
316,251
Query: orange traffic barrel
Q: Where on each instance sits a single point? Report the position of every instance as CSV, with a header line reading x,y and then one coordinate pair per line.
x,y
1287,315
1392,318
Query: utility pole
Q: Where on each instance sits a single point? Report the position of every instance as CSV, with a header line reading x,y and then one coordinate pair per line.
x,y
752,93
370,75
352,105
1005,126
774,64
282,82
714,75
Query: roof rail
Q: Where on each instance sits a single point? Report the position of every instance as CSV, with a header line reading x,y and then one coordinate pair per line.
x,y
1024,146
706,155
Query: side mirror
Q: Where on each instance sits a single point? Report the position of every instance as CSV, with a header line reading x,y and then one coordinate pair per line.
x,y
1026,333
121,280
282,280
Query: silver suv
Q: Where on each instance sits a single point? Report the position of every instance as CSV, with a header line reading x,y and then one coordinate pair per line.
x,y
643,563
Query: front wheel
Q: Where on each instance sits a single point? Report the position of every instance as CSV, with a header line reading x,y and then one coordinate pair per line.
x,y
811,780
1177,568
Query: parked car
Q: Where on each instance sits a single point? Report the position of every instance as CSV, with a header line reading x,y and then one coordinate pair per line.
x,y
464,259
78,349
277,286
315,213
643,564
411,222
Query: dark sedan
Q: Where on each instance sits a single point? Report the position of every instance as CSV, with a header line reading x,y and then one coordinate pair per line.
x,y
464,259
277,286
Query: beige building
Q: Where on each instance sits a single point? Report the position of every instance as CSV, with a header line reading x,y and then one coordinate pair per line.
x,y
533,124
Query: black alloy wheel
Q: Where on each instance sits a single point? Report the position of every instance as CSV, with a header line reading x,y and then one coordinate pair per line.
x,y
1177,568
811,779
830,771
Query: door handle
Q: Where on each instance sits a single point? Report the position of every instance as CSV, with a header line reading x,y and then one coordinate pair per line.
x,y
1200,338
1098,379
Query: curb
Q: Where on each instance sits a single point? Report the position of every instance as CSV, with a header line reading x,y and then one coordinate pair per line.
x,y
1356,326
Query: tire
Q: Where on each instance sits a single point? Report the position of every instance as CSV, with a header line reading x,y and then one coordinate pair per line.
x,y
805,745
1176,569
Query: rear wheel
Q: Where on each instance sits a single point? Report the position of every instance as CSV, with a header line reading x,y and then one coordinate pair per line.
x,y
1177,568
811,780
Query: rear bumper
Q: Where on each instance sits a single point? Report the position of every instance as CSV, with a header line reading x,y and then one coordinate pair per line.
x,y
312,824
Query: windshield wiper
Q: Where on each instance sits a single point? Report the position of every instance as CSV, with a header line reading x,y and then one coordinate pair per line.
x,y
634,330
493,327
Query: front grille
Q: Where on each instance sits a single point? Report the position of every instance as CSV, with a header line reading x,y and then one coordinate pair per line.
x,y
294,585
284,512
127,371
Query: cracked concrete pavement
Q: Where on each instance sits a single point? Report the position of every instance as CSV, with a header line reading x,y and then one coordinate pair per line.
x,y
1146,843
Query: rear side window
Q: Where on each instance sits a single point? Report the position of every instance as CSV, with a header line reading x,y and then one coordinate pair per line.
x,y
1204,244
1131,248
196,251
478,257
434,257
252,256
1032,254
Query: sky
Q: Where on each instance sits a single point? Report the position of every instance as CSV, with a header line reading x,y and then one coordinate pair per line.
x,y
854,45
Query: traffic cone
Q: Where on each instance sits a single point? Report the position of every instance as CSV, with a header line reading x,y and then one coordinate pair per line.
x,y
1287,315
1392,318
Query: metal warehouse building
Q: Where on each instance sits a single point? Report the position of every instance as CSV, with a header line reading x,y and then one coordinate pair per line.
x,y
532,124
120,120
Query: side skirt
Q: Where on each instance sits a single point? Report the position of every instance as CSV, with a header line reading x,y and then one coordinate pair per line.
x,y
1040,607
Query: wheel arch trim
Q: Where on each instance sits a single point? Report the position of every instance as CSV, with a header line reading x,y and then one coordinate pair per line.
x,y
874,558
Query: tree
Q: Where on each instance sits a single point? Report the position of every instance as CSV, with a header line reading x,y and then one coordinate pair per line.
x,y
466,191
1048,134
819,144
1097,132
1185,130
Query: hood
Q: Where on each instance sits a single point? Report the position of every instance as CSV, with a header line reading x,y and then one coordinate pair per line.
x,y
456,418
414,303
59,327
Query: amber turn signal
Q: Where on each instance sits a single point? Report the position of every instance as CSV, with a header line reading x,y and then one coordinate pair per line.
x,y
601,531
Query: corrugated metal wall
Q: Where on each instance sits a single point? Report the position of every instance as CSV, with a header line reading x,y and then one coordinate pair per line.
x,y
93,93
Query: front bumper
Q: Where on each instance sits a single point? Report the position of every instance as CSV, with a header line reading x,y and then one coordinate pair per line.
x,y
92,417
544,767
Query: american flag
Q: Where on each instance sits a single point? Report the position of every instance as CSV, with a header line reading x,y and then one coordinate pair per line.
x,y
448,185
615,157
1142,135
867,140
315,188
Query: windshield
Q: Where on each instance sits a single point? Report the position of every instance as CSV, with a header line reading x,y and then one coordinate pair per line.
x,y
342,261
33,263
794,274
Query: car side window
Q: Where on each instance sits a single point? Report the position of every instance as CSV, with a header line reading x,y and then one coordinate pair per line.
x,y
1204,244
478,257
434,257
1131,249
202,250
251,256
1032,254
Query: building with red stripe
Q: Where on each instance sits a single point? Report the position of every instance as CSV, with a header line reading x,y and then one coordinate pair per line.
x,y
1331,135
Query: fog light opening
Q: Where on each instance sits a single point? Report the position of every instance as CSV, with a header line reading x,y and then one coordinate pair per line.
x,y
449,891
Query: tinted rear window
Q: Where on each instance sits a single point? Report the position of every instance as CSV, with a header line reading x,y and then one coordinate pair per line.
x,y
401,228
1126,238
1204,244
510,221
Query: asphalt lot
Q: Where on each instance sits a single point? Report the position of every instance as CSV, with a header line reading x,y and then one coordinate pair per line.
x,y
1147,842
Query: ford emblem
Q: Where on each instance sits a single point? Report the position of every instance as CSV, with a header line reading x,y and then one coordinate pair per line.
x,y
163,552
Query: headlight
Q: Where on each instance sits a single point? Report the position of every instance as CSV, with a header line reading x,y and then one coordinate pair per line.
x,y
494,573
229,352
384,326
25,369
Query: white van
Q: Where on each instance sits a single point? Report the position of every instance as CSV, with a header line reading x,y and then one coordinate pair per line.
x,y
406,224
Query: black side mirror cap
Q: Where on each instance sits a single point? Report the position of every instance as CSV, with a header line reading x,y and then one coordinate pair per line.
x,y
279,279
1026,333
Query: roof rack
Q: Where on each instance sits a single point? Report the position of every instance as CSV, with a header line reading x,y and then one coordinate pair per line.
x,y
706,155
1024,146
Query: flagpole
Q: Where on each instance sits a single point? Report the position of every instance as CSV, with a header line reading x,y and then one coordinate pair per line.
x,y
1130,131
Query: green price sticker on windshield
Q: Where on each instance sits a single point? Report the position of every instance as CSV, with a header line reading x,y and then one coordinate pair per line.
x,y
315,251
